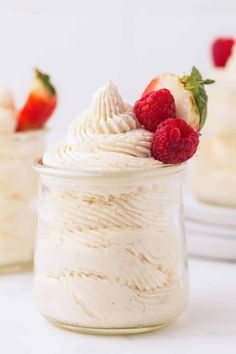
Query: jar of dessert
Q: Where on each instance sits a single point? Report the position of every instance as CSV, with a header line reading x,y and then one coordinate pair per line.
x,y
22,142
110,254
18,188
217,153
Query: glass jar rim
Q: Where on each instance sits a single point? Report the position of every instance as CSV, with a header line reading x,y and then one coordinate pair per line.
x,y
68,173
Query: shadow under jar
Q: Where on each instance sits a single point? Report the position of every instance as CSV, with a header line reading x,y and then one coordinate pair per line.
x,y
110,253
18,189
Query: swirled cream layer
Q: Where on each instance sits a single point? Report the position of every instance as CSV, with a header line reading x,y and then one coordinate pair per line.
x,y
217,158
105,137
110,257
221,99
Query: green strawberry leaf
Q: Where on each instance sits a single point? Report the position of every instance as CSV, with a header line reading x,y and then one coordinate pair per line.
x,y
45,79
195,84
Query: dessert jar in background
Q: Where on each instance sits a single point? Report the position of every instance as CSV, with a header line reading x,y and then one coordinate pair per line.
x,y
22,142
216,158
18,188
110,254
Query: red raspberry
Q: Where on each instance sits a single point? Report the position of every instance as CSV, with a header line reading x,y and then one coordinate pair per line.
x,y
155,107
221,50
174,141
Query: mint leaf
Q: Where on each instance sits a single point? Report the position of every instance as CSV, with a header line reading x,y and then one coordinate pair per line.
x,y
195,84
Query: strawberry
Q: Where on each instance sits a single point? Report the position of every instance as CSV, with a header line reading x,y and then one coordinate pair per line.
x,y
221,50
39,105
189,94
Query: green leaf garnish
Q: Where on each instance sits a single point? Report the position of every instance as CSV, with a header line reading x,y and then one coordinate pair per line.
x,y
45,79
195,83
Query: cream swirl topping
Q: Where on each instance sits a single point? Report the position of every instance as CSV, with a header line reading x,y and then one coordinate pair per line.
x,y
106,136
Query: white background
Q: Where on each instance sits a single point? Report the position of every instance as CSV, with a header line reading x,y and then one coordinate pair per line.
x,y
83,43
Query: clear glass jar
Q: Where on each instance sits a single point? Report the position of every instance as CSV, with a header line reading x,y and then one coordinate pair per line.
x,y
18,189
110,253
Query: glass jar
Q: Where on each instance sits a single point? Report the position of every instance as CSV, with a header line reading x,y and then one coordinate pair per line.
x,y
216,157
110,253
18,188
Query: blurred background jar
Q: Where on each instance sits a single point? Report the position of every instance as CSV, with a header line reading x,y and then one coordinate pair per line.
x,y
22,142
18,188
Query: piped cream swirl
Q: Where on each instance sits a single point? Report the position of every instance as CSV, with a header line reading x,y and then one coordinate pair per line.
x,y
106,136
110,115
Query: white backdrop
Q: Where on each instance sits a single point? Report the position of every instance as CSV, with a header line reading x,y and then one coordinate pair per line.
x,y
83,43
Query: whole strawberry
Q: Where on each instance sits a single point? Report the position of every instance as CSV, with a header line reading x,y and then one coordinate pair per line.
x,y
174,141
221,51
154,108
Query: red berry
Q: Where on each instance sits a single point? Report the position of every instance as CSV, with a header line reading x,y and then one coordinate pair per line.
x,y
221,50
40,104
155,107
174,141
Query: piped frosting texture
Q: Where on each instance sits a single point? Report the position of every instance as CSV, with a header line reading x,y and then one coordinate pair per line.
x,y
106,136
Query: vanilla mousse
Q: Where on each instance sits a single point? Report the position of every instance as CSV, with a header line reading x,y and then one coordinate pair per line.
x,y
110,252
22,136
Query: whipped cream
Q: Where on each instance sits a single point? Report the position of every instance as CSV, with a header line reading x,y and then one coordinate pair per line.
x,y
18,187
108,253
105,137
7,111
217,158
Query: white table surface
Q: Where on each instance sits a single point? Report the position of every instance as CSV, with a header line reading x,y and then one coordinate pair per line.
x,y
208,326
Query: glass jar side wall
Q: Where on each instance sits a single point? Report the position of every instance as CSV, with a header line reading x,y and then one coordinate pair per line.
x,y
111,254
